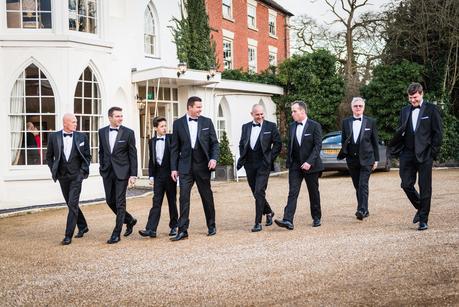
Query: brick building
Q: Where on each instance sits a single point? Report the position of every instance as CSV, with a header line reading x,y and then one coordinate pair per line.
x,y
249,34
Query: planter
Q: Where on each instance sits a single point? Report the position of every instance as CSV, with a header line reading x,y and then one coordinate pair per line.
x,y
224,172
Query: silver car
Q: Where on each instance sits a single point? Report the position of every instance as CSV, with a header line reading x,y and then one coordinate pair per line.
x,y
331,145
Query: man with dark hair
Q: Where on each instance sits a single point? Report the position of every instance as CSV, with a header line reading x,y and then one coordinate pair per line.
x,y
194,154
118,168
304,163
417,141
159,171
359,138
68,159
259,146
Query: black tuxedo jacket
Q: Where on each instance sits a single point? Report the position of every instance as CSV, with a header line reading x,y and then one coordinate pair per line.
x,y
165,164
427,135
311,143
123,159
181,151
270,142
368,140
56,147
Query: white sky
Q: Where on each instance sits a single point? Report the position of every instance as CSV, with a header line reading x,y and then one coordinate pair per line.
x,y
319,10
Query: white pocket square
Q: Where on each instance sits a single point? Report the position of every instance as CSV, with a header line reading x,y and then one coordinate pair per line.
x,y
425,117
367,129
268,132
82,143
307,134
205,128
122,141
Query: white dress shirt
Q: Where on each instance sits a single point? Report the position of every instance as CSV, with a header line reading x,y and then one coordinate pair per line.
x,y
160,146
254,134
193,127
356,126
415,115
299,131
68,142
112,138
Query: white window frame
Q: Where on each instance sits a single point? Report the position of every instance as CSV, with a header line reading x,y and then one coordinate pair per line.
x,y
252,5
272,20
227,9
252,56
221,122
23,13
87,17
228,38
152,49
272,53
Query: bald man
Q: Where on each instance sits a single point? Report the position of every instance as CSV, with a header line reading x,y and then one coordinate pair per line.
x,y
259,146
68,159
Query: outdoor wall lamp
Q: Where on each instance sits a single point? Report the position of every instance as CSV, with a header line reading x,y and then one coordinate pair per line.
x,y
212,72
140,102
181,69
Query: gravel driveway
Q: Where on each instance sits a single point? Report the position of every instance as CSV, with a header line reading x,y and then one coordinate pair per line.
x,y
383,260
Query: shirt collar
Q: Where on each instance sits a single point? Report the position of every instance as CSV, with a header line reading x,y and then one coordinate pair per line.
x,y
188,117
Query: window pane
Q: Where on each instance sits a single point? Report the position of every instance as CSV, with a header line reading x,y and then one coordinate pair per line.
x,y
87,91
31,72
78,90
87,74
17,157
82,7
44,21
48,123
167,94
72,5
91,26
87,106
13,19
96,89
32,88
72,24
96,106
32,105
45,138
46,89
174,94
92,8
47,105
85,123
95,124
77,107
44,5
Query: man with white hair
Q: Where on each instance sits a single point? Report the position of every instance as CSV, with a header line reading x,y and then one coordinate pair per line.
x,y
359,138
68,159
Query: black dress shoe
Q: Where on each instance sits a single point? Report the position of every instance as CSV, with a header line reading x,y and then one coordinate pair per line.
x,y
367,214
173,232
129,227
316,223
257,227
360,215
113,240
423,226
269,219
284,224
147,233
66,241
81,232
180,236
416,218
212,231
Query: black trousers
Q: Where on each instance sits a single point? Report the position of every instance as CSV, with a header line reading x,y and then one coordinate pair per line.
x,y
163,185
71,189
295,178
409,168
201,175
257,178
360,175
115,196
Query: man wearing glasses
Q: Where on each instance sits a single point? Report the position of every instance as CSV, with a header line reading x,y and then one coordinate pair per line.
x,y
359,137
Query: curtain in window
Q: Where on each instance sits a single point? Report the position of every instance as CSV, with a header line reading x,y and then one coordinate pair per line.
x,y
17,122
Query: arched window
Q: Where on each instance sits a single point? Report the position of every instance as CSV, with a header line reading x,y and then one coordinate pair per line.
x,y
32,117
87,108
221,122
150,39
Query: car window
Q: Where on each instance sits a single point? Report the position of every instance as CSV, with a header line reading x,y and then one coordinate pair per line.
x,y
332,139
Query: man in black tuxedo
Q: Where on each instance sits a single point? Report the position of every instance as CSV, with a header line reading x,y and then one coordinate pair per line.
x,y
159,170
417,141
259,146
194,154
68,158
359,136
303,162
118,168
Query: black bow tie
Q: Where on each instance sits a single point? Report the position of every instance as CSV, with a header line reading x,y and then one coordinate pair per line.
x,y
414,108
192,119
68,134
114,129
256,125
160,139
355,118
299,124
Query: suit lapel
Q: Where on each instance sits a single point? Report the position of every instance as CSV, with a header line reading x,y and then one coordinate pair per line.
x,y
118,136
153,148
59,143
362,128
199,129
185,126
306,125
350,122
248,133
292,134
107,138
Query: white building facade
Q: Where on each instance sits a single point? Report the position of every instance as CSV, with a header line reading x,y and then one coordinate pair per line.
x,y
83,57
